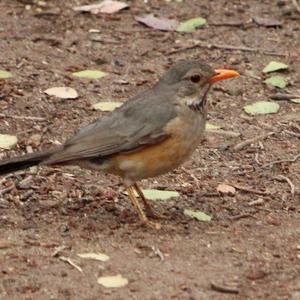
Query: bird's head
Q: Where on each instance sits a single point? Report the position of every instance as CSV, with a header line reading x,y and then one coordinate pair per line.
x,y
192,80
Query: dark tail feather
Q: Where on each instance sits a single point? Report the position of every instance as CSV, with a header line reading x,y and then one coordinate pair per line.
x,y
22,162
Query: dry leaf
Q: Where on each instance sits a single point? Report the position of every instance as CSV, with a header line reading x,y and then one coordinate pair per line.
x,y
198,215
163,24
105,7
113,281
91,74
107,106
7,141
226,189
95,256
262,108
63,92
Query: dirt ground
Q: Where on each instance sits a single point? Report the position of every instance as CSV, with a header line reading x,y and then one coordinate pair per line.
x,y
251,247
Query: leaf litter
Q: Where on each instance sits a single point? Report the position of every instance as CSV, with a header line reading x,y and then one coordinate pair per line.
x,y
105,7
95,256
275,66
5,74
158,195
62,92
159,23
191,25
197,214
107,106
8,141
91,74
277,81
262,108
116,281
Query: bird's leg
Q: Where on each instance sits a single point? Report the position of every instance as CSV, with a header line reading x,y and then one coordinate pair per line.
x,y
149,210
136,204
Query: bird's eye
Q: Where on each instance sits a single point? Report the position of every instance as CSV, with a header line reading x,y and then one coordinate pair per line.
x,y
195,78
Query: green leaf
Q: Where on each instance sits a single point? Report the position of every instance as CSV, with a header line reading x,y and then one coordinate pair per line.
x,y
8,141
296,101
275,66
107,106
191,25
91,74
198,215
95,256
113,281
277,81
5,74
262,108
153,194
209,126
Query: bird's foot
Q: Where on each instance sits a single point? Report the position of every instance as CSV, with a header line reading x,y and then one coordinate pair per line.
x,y
152,225
154,215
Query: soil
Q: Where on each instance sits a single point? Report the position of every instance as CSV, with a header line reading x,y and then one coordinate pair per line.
x,y
249,250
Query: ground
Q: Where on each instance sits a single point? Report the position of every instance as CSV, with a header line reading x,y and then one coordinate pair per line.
x,y
250,248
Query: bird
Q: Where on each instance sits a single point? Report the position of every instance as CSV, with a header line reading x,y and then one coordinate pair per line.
x,y
151,134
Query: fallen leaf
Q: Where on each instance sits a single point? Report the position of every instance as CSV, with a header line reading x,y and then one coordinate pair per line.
x,y
107,106
226,189
63,92
277,81
113,281
191,25
198,215
95,256
106,7
92,74
209,126
296,100
163,24
152,194
262,108
5,74
275,66
8,141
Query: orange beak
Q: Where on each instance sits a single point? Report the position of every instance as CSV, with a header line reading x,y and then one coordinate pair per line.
x,y
223,74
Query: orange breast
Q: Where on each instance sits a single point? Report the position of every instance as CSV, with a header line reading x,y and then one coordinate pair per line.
x,y
162,157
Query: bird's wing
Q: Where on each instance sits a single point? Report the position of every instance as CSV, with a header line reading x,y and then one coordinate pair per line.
x,y
134,125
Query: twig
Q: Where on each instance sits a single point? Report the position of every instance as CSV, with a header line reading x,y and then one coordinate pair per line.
x,y
245,143
292,133
200,44
241,216
232,24
23,117
297,6
224,288
281,96
280,161
158,253
281,177
249,190
69,261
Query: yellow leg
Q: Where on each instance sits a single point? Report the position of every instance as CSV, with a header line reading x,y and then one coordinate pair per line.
x,y
149,210
136,204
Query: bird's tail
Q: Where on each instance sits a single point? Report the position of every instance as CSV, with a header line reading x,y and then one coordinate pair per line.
x,y
22,162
